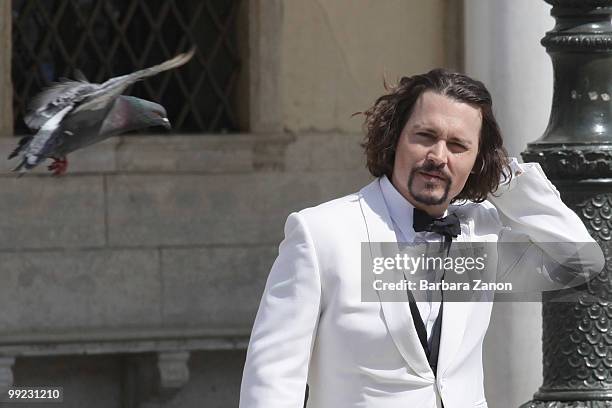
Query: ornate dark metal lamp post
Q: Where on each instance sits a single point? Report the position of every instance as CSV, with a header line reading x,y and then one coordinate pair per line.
x,y
576,154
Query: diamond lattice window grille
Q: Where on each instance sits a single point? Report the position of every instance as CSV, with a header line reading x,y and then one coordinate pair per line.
x,y
106,38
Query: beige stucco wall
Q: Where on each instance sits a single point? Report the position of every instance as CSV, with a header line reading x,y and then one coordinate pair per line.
x,y
334,54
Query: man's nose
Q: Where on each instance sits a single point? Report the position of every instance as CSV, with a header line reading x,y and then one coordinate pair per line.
x,y
438,153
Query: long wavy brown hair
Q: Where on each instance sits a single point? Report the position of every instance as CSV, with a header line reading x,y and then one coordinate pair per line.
x,y
385,120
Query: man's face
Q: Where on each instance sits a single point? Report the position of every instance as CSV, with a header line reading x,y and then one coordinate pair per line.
x,y
436,151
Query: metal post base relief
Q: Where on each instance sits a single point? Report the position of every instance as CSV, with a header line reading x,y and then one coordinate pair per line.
x,y
576,154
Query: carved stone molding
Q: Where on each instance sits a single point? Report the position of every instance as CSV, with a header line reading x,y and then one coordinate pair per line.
x,y
152,380
173,372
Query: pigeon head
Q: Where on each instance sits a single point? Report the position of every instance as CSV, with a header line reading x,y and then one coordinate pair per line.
x,y
131,113
146,113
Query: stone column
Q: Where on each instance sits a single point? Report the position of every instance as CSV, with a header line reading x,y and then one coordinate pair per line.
x,y
6,85
502,49
265,33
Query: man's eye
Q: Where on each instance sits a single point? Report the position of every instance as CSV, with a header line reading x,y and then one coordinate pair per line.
x,y
427,135
458,146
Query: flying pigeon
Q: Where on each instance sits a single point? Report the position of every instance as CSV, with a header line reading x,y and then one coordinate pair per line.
x,y
72,114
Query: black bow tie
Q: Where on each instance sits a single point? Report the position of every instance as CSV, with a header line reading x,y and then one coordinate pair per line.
x,y
447,226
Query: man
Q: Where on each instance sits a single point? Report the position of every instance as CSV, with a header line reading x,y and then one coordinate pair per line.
x,y
430,142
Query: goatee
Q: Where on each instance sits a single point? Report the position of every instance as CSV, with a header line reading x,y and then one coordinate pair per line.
x,y
427,199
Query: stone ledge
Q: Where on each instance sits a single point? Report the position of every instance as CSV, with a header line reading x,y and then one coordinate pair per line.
x,y
215,154
125,341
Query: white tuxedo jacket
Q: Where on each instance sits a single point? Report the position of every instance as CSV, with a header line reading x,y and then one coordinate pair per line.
x,y
312,326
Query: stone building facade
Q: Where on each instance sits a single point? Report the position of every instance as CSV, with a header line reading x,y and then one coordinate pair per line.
x,y
133,280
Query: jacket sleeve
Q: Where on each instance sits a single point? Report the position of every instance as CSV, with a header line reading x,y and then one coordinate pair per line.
x,y
276,368
542,236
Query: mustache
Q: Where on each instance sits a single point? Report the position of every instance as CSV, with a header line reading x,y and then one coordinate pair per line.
x,y
430,167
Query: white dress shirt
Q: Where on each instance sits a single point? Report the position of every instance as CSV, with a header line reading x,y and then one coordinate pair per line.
x,y
401,212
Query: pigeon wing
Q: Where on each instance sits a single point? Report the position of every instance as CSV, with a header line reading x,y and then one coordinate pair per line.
x,y
175,62
114,87
54,99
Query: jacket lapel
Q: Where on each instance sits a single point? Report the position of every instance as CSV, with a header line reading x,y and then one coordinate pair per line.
x,y
395,306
